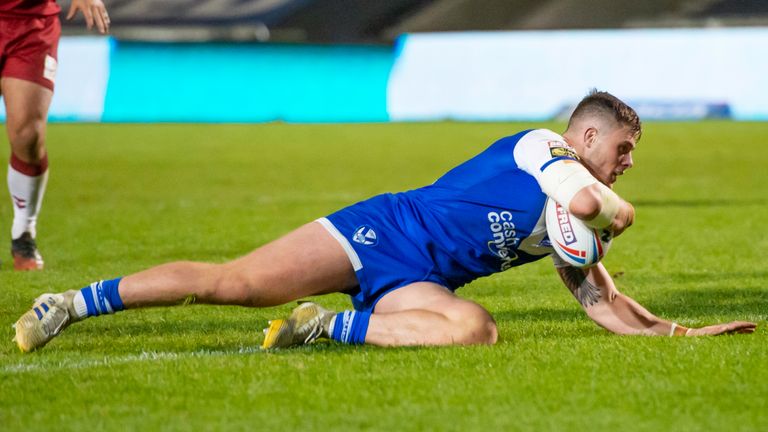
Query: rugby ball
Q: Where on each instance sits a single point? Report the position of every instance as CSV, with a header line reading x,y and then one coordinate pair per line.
x,y
575,242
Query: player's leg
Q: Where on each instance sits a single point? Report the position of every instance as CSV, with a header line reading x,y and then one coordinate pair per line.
x,y
305,262
422,313
425,313
26,105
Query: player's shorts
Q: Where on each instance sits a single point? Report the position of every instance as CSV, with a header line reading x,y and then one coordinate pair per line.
x,y
28,48
383,255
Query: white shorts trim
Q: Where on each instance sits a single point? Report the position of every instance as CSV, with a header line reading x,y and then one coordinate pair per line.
x,y
353,258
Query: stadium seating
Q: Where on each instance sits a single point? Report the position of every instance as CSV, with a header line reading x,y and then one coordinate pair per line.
x,y
354,21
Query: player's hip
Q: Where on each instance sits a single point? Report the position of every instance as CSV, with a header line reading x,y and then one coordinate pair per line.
x,y
25,36
29,49
389,248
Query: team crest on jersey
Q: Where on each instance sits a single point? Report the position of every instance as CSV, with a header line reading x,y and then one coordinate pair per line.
x,y
365,235
562,151
559,148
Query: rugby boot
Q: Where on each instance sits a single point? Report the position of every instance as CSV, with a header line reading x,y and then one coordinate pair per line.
x,y
25,253
308,322
50,314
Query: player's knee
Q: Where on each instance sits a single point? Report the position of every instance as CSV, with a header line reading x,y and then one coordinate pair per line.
x,y
232,287
27,139
477,327
482,331
228,289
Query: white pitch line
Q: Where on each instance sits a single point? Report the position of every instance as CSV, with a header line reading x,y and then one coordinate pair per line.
x,y
147,356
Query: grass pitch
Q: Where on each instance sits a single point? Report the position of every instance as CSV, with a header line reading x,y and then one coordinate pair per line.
x,y
125,197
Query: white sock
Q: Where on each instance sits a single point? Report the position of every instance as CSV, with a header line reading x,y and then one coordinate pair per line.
x,y
79,302
27,197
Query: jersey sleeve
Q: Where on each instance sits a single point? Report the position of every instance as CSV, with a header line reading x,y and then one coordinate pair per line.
x,y
540,148
554,164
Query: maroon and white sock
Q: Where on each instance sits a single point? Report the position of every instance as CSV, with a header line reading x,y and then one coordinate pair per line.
x,y
26,183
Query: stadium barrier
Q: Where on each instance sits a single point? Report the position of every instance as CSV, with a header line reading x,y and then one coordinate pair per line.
x,y
101,79
669,73
477,76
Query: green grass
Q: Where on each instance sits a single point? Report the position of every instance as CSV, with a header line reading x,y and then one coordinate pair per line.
x,y
125,197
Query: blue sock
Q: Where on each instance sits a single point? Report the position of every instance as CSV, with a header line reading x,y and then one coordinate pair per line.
x,y
350,327
102,297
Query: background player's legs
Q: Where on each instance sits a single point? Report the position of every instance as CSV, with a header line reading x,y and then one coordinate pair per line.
x,y
26,105
305,262
425,313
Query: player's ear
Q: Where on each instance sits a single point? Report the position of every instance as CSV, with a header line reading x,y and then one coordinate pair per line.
x,y
590,135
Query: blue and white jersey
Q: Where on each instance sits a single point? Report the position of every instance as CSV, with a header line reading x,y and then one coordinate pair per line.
x,y
482,217
487,214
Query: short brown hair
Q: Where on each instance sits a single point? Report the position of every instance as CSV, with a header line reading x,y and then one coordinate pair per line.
x,y
601,103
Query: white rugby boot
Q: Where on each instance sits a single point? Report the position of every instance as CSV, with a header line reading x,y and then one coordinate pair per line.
x,y
307,323
50,314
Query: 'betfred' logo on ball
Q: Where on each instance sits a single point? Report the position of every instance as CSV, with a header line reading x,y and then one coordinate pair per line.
x,y
564,222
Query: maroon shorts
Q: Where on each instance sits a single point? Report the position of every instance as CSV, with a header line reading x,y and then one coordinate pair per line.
x,y
28,47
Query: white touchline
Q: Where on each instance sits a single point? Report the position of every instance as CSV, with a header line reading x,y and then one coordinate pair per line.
x,y
146,356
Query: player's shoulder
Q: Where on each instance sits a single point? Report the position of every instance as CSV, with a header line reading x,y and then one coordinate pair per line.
x,y
528,136
545,141
543,135
539,141
539,148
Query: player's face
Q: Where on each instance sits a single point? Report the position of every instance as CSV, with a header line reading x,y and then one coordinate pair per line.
x,y
609,153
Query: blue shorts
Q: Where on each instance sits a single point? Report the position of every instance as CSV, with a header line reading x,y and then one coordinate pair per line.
x,y
385,257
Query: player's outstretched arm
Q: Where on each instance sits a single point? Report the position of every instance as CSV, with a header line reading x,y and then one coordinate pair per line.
x,y
597,294
94,12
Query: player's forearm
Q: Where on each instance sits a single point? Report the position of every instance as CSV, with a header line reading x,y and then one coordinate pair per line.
x,y
627,317
595,291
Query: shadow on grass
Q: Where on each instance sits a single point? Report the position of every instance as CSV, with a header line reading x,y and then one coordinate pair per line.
x,y
699,203
712,301
726,278
191,326
694,304
540,314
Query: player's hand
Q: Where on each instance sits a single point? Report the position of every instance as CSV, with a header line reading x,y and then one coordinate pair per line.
x,y
624,218
727,328
94,12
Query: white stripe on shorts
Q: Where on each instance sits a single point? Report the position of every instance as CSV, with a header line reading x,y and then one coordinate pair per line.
x,y
353,258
